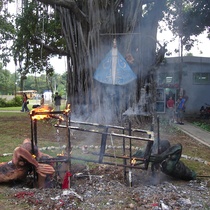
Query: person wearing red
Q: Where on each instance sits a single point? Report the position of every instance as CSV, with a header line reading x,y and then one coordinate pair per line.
x,y
170,105
24,103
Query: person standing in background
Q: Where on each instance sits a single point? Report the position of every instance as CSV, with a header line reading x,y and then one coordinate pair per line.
x,y
180,110
42,100
170,105
24,103
57,100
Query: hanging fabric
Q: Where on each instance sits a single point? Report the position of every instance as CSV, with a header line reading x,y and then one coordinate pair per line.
x,y
114,69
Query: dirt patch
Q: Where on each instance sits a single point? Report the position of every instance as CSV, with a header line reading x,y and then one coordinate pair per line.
x,y
103,188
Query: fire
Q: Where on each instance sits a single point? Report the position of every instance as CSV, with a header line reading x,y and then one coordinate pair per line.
x,y
133,161
46,112
61,154
68,109
43,109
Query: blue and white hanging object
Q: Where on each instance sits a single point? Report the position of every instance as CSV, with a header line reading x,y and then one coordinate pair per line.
x,y
114,69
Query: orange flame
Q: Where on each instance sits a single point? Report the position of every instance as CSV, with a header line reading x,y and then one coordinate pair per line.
x,y
42,109
133,161
68,109
45,109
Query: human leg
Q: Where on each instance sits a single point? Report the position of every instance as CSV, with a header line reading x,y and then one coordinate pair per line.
x,y
171,115
27,109
181,117
22,108
178,116
57,108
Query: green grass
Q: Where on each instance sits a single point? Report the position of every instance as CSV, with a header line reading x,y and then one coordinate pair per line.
x,y
16,126
10,108
203,125
31,103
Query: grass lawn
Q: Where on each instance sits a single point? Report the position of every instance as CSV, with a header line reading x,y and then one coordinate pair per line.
x,y
16,126
31,103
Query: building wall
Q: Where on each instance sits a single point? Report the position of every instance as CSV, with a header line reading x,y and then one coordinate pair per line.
x,y
197,94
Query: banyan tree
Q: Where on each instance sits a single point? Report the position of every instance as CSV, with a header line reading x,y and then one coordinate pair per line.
x,y
89,28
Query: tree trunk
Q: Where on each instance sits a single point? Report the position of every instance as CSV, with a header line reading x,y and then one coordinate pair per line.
x,y
89,28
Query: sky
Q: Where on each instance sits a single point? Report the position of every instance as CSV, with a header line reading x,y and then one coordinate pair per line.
x,y
201,47
58,64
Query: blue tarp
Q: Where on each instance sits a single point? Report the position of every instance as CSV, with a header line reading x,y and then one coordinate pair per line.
x,y
114,69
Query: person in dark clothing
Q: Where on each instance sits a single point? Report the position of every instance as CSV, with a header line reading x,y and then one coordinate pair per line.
x,y
57,100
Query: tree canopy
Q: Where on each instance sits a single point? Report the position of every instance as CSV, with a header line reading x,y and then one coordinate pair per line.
x,y
7,31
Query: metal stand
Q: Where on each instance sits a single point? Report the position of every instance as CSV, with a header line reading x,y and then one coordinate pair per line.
x,y
34,139
126,160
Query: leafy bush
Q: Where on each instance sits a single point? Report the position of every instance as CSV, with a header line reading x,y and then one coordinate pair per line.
x,y
3,102
15,102
202,125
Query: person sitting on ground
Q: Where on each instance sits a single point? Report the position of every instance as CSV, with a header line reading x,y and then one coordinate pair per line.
x,y
21,165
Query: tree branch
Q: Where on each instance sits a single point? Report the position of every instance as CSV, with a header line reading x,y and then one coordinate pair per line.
x,y
50,49
68,4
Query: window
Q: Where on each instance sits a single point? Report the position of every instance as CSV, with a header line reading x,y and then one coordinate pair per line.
x,y
168,78
201,78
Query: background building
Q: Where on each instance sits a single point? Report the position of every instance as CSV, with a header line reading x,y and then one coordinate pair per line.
x,y
193,76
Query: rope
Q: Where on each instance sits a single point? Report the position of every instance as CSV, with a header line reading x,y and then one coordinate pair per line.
x,y
43,37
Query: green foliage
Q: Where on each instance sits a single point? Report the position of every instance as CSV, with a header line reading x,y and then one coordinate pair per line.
x,y
3,102
42,82
37,27
7,83
203,125
7,31
15,102
56,82
187,18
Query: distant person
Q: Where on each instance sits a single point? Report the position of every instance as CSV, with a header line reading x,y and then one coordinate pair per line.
x,y
57,100
42,100
170,105
25,103
180,110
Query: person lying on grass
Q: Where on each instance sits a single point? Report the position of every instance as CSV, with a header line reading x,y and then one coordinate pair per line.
x,y
23,162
